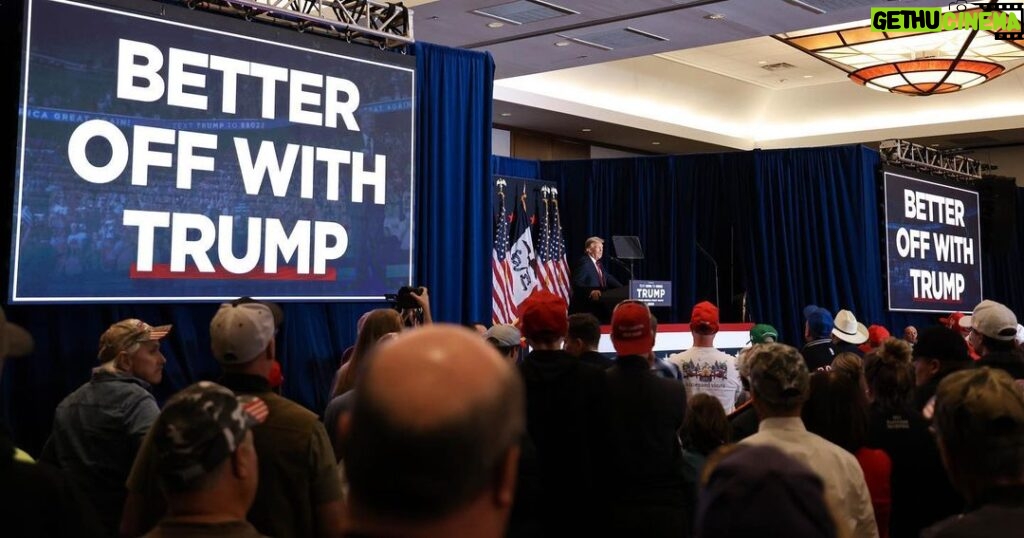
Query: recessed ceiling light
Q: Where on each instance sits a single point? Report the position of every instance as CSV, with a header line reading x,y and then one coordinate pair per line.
x,y
655,143
808,76
762,62
506,114
586,130
495,24
562,43
714,17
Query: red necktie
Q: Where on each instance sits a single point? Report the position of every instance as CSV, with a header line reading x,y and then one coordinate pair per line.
x,y
600,274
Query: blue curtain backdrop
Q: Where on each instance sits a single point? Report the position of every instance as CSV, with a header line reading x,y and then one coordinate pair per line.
x,y
671,203
790,227
453,187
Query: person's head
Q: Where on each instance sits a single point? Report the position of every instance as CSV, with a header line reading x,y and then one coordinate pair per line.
x,y
758,490
434,435
910,334
889,375
242,338
544,320
506,339
818,323
594,247
762,333
379,321
132,346
876,335
584,334
952,321
15,341
846,328
704,323
837,409
779,381
992,328
979,425
939,351
705,426
205,457
631,329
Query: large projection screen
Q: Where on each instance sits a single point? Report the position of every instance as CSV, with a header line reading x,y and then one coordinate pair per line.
x,y
933,244
170,155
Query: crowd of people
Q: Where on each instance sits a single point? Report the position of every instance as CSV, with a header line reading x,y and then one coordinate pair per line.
x,y
527,430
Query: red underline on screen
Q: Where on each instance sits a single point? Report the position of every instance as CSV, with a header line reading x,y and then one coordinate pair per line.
x,y
162,271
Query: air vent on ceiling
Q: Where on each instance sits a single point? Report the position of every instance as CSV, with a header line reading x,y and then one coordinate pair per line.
x,y
618,38
525,11
780,66
825,6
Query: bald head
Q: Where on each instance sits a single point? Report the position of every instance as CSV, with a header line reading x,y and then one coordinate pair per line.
x,y
436,414
431,376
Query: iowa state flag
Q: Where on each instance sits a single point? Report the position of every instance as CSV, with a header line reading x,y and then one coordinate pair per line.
x,y
521,254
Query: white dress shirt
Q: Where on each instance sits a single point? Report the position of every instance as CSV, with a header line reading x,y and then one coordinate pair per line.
x,y
838,469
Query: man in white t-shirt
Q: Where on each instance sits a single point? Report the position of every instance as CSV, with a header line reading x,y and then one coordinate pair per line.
x,y
706,369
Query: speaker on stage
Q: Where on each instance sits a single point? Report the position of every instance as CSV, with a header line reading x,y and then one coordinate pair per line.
x,y
998,197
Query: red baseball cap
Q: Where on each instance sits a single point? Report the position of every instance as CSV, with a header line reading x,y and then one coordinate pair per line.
x,y
704,319
952,321
544,312
631,329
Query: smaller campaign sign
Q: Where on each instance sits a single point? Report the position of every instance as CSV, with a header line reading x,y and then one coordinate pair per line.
x,y
651,292
933,245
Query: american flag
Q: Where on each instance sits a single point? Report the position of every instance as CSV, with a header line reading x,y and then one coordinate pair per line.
x,y
558,249
545,271
548,253
503,308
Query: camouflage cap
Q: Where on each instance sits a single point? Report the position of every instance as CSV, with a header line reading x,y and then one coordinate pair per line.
x,y
199,428
778,374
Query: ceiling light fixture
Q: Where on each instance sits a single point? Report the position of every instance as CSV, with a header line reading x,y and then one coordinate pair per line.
x,y
911,63
495,24
714,17
506,114
562,43
655,143
585,130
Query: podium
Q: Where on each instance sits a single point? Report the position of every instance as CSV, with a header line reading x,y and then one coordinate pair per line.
x,y
653,293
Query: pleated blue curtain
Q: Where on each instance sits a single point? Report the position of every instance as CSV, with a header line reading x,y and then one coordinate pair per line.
x,y
522,168
671,203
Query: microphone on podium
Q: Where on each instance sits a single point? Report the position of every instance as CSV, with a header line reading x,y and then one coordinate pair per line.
x,y
713,264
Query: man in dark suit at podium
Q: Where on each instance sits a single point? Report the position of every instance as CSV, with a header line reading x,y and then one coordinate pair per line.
x,y
591,279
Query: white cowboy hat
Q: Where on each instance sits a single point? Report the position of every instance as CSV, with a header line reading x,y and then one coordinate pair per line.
x,y
848,329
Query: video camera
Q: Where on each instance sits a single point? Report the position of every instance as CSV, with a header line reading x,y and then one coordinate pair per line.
x,y
403,300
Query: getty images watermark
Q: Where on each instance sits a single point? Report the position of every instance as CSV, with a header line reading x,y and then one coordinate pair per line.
x,y
1002,19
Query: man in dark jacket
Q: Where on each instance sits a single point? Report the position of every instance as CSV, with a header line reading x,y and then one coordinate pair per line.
x,y
979,425
583,339
650,495
564,409
993,328
818,352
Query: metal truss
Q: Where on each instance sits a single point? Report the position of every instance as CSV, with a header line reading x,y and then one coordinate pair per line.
x,y
915,156
385,25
